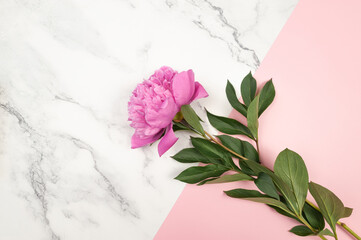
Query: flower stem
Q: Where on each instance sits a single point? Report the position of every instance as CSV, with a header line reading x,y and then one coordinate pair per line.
x,y
213,139
349,230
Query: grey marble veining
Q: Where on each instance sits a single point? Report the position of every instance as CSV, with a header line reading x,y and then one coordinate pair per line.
x,y
67,69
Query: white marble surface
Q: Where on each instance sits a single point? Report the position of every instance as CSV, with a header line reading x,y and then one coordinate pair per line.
x,y
67,69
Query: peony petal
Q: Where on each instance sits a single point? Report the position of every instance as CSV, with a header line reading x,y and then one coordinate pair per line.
x,y
183,87
137,142
168,140
164,116
199,92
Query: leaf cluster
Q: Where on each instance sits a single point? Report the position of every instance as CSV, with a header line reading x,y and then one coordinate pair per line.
x,y
227,159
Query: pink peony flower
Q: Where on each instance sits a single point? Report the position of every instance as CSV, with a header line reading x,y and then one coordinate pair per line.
x,y
156,101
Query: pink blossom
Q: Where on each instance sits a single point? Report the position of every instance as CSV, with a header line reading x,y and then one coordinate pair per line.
x,y
156,101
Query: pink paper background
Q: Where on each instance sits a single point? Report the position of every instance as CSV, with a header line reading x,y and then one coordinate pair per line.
x,y
316,67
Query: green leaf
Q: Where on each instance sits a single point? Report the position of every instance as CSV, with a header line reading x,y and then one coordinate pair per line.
x,y
244,193
248,88
265,184
215,153
313,217
347,212
326,232
290,167
283,187
190,155
280,211
252,117
199,173
256,196
286,192
178,127
330,205
272,202
208,149
231,178
192,118
228,125
245,168
266,96
258,168
207,180
250,152
233,100
301,230
240,147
